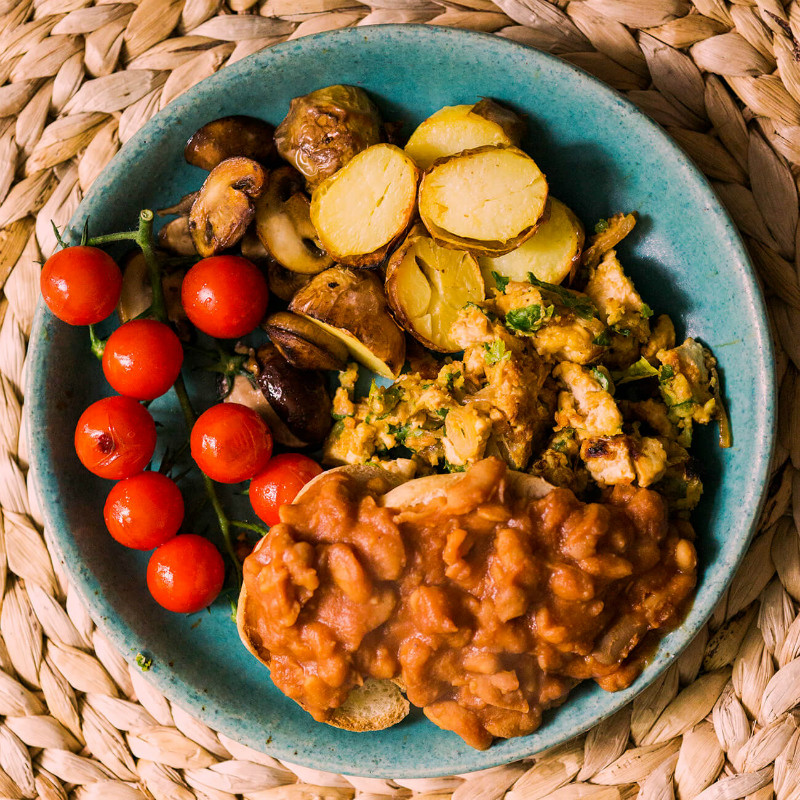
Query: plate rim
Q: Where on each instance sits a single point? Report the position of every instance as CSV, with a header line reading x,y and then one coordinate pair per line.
x,y
87,587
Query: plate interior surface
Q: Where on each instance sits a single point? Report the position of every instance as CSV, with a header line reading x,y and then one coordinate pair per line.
x,y
600,156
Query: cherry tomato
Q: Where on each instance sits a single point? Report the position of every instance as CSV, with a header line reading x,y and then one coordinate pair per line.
x,y
81,285
115,438
230,442
144,511
142,359
225,296
185,574
279,482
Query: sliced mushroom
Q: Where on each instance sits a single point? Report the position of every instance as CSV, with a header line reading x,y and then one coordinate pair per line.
x,y
231,136
305,345
224,208
283,283
137,296
298,398
182,207
176,238
283,224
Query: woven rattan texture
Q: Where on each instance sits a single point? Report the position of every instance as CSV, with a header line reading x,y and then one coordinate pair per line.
x,y
78,78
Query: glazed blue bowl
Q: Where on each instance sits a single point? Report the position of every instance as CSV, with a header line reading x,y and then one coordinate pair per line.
x,y
601,155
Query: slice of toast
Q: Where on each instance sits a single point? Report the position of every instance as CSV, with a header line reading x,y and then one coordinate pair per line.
x,y
380,704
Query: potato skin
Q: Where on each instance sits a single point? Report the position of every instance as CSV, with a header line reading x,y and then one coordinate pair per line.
x,y
325,129
354,302
231,136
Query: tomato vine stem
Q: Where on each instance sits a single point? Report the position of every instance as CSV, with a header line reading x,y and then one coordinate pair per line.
x,y
143,238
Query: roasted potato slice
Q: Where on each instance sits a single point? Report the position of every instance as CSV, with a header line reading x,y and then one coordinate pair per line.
x,y
351,305
325,129
427,285
224,208
363,210
231,136
551,254
488,200
176,237
283,224
453,129
304,344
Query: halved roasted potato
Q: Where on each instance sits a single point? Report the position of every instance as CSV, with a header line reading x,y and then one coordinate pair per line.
x,y
453,129
224,208
283,224
351,305
325,129
304,344
230,136
427,285
551,254
487,200
364,209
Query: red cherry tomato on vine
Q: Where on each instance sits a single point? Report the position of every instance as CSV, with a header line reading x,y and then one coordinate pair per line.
x,y
115,438
185,574
225,296
230,442
81,285
144,511
279,482
142,359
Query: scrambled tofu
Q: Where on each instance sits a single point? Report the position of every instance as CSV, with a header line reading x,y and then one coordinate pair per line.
x,y
539,384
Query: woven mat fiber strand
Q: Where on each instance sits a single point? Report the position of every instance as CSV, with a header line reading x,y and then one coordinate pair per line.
x,y
78,78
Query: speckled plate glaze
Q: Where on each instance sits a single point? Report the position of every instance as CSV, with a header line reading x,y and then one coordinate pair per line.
x,y
601,155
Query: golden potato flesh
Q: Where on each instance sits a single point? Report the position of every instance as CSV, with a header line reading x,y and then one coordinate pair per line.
x,y
550,254
427,285
487,200
363,209
453,129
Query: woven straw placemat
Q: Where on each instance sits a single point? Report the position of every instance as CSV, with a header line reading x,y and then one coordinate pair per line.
x,y
78,78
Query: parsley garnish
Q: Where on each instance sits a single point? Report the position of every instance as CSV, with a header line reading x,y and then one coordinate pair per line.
x,y
601,378
602,339
646,311
582,306
529,318
400,432
490,315
442,412
635,372
454,467
143,662
665,373
495,352
602,225
500,280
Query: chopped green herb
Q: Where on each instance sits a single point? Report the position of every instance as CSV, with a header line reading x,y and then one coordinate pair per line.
x,y
601,225
601,378
646,311
490,315
580,304
442,412
338,416
143,662
337,428
560,444
635,372
451,378
400,432
500,280
530,318
665,373
454,467
602,339
621,331
495,352
233,605
686,405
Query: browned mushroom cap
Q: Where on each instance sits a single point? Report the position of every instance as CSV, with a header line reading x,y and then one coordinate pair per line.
x,y
305,345
299,398
182,207
224,208
230,136
283,224
176,238
283,283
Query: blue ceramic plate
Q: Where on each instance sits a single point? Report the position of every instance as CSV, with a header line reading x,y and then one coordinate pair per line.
x,y
600,155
